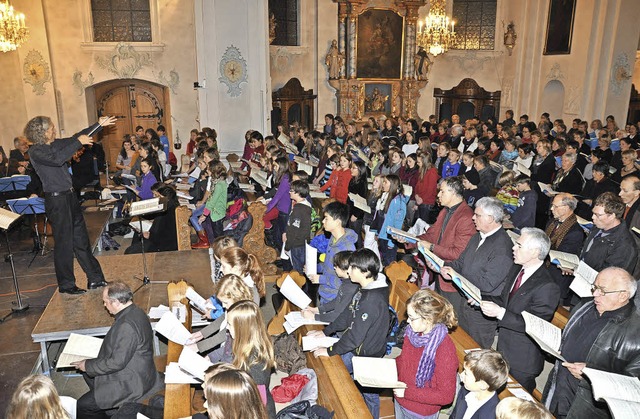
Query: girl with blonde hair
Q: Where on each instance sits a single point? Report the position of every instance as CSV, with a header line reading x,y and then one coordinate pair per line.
x,y
231,393
235,260
36,398
252,347
428,363
229,290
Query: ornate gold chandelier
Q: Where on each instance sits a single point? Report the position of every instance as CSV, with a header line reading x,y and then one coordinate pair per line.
x,y
437,34
13,31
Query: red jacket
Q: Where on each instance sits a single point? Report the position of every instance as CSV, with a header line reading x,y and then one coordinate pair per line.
x,y
427,187
440,391
455,237
339,184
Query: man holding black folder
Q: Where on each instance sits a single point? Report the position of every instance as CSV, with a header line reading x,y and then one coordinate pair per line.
x,y
50,158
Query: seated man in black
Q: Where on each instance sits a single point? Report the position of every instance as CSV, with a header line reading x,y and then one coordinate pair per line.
x,y
162,236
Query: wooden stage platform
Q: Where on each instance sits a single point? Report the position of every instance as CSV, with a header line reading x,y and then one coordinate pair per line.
x,y
85,314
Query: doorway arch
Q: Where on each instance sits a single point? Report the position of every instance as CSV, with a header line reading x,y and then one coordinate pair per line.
x,y
134,103
553,99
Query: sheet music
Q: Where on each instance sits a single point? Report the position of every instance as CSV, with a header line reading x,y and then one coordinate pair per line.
x,y
296,320
376,372
309,343
147,206
173,374
170,327
317,195
7,218
259,176
436,261
293,293
129,176
146,225
407,236
196,299
193,363
584,277
521,393
621,392
544,333
307,168
546,188
359,202
157,312
524,169
565,260
311,260
78,348
467,287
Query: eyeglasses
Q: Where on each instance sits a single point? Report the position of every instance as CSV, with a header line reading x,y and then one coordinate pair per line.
x,y
558,206
413,319
600,215
596,288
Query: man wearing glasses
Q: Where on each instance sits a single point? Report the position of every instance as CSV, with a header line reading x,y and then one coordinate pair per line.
x,y
609,243
603,333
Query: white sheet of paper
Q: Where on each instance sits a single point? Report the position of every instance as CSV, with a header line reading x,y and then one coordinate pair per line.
x,y
296,320
196,299
606,384
407,190
78,348
157,312
311,260
318,195
521,393
174,375
544,333
141,416
376,372
293,293
307,168
170,327
309,343
193,363
584,277
565,260
289,328
467,287
284,255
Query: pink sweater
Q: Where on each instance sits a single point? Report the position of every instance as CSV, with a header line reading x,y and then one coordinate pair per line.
x,y
429,399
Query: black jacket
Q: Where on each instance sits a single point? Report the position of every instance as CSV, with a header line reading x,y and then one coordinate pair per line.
x,y
365,323
486,411
615,249
298,225
331,310
616,350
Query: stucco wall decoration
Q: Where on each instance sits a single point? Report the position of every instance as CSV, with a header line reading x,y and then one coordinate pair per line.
x,y
36,71
124,61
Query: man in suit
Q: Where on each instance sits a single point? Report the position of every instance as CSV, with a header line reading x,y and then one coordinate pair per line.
x,y
485,262
124,370
529,288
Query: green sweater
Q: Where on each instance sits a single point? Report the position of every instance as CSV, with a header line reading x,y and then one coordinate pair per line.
x,y
217,202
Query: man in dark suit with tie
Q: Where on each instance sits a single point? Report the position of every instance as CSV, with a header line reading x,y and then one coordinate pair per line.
x,y
485,262
530,288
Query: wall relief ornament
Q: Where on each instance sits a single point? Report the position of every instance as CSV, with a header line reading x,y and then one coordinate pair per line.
x,y
282,57
555,73
125,61
470,61
620,73
507,91
573,101
36,71
80,84
172,80
233,71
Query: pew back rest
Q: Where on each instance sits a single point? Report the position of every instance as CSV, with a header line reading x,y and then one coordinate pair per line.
x,y
183,231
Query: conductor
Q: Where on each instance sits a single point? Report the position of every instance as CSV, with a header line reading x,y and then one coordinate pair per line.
x,y
50,158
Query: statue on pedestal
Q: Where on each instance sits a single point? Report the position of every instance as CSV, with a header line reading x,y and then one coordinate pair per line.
x,y
422,64
334,60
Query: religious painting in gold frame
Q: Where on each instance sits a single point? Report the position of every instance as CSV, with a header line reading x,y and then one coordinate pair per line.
x,y
379,44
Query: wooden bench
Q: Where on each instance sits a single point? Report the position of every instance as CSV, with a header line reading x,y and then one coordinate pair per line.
x,y
183,229
177,397
254,240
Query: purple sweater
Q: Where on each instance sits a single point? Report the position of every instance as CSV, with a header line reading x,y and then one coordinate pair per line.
x,y
145,189
282,199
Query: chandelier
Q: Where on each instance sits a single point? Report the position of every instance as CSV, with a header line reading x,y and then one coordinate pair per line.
x,y
13,31
437,34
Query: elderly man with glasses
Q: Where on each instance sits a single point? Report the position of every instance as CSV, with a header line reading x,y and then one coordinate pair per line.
x,y
602,333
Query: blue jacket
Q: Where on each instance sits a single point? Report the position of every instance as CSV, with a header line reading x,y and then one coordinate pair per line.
x,y
394,216
329,281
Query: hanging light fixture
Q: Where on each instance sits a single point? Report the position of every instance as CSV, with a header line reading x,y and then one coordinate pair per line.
x,y
437,34
13,31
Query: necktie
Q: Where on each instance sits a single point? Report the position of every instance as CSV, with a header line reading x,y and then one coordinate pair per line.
x,y
517,284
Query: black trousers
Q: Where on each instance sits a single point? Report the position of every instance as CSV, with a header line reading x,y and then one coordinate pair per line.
x,y
87,408
71,238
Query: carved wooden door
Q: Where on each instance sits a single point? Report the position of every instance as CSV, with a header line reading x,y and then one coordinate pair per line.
x,y
134,103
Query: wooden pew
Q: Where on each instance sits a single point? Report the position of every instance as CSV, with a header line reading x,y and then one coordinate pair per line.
x,y
254,240
177,397
276,324
183,229
336,389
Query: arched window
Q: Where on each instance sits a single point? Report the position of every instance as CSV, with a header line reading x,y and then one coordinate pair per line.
x,y
121,20
475,24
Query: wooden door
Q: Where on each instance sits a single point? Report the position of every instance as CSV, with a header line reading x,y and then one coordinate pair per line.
x,y
134,103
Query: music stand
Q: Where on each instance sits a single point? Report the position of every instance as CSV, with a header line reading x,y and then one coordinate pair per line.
x,y
7,219
14,183
146,207
32,206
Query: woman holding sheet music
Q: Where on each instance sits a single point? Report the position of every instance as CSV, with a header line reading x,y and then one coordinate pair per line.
x,y
428,363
